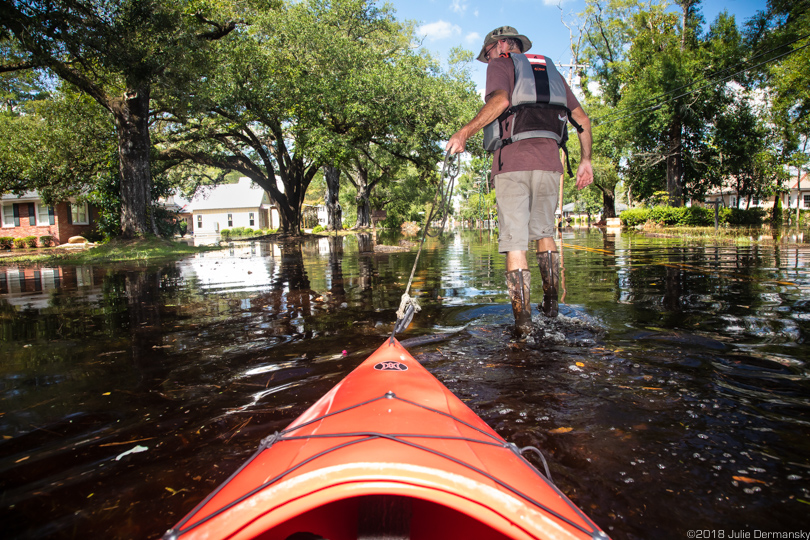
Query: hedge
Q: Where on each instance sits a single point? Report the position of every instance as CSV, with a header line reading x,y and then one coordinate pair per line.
x,y
695,216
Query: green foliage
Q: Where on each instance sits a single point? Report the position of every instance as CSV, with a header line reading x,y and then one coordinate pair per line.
x,y
19,243
318,228
651,117
6,242
58,145
242,232
694,216
738,216
46,241
634,217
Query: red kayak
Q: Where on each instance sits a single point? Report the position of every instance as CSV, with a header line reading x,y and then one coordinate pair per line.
x,y
389,452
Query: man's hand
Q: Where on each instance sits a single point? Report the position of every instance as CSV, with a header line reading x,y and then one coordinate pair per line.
x,y
496,104
457,143
584,173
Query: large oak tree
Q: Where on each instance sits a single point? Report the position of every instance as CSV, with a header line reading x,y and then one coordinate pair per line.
x,y
123,54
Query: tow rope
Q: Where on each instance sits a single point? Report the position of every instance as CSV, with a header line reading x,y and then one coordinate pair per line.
x,y
441,208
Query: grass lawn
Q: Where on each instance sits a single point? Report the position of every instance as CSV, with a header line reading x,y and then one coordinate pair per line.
x,y
142,250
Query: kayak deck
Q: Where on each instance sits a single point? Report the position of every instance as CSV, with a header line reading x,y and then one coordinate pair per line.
x,y
389,450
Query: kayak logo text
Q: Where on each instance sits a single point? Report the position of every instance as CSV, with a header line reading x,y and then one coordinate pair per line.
x,y
391,366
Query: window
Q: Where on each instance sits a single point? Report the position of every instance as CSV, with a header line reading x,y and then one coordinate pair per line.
x,y
755,201
252,221
807,201
734,202
78,213
199,221
8,215
45,215
230,220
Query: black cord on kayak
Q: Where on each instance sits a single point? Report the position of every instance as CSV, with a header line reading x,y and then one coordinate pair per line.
x,y
442,205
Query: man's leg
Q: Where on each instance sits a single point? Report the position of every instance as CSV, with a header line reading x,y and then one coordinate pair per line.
x,y
548,259
514,209
519,285
545,189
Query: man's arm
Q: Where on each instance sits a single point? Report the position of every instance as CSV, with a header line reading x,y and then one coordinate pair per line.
x,y
497,103
585,169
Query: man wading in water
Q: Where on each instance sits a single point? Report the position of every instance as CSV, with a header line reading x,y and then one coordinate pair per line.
x,y
527,107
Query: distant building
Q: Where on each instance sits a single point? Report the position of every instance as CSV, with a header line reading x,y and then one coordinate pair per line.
x,y
227,206
798,190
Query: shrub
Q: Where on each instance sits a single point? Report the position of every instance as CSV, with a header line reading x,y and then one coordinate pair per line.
x,y
6,242
697,216
736,216
46,241
30,241
318,228
634,217
19,243
225,234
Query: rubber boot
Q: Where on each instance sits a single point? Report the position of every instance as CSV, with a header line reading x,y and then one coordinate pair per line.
x,y
519,284
549,263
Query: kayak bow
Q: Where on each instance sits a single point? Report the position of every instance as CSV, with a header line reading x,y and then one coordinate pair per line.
x,y
389,450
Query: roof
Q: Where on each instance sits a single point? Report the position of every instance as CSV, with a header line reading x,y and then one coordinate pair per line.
x,y
244,194
27,196
804,184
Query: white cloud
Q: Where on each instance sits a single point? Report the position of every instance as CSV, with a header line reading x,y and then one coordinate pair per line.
x,y
459,6
472,37
439,30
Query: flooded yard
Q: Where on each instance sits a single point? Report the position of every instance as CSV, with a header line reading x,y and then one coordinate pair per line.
x,y
673,393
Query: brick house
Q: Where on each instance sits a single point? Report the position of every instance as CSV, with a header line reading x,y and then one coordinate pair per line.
x,y
26,215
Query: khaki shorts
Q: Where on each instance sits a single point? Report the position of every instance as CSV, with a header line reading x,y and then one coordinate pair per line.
x,y
526,201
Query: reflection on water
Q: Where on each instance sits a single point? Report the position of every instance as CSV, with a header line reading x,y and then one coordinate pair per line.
x,y
674,396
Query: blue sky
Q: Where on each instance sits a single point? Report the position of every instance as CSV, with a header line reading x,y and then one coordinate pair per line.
x,y
444,24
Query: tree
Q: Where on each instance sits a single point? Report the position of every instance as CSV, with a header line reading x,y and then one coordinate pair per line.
x,y
780,33
120,53
318,83
61,143
666,81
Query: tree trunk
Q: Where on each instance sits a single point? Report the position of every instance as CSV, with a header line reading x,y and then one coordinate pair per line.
x,y
675,164
290,220
333,210
609,204
134,146
363,205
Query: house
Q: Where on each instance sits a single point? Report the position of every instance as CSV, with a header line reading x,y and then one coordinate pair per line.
x,y
799,190
227,206
728,197
26,215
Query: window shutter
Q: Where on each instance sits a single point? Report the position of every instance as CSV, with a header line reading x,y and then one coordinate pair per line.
x,y
16,215
70,213
32,214
51,216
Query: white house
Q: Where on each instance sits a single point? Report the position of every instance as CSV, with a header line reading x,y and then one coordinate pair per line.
x,y
227,206
800,190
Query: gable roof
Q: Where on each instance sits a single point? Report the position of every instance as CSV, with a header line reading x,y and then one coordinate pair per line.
x,y
244,194
804,183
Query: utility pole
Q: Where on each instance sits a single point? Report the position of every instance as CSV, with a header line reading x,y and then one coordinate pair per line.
x,y
572,68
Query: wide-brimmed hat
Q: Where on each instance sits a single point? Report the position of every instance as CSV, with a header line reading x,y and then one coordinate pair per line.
x,y
500,33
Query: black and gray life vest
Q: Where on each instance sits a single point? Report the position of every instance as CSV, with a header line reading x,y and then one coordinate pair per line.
x,y
539,106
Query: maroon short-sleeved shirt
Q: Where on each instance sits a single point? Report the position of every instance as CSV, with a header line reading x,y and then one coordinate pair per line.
x,y
528,154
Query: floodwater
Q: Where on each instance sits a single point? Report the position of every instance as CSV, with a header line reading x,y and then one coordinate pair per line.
x,y
672,395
